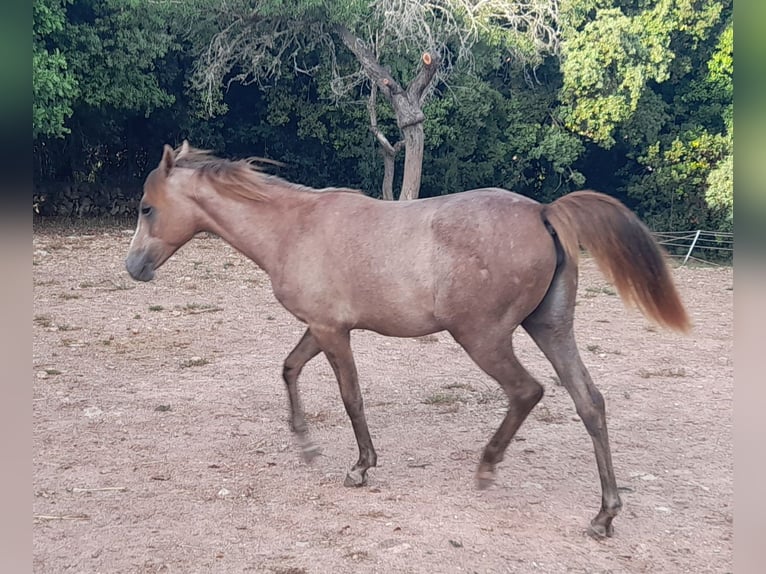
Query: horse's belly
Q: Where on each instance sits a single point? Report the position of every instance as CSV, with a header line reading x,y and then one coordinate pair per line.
x,y
395,324
395,311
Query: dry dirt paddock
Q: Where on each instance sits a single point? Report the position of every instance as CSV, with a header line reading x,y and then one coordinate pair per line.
x,y
161,441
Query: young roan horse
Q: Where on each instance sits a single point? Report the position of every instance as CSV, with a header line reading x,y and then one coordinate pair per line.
x,y
476,264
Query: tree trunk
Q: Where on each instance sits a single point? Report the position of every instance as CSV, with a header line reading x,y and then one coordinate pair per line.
x,y
407,105
414,140
388,174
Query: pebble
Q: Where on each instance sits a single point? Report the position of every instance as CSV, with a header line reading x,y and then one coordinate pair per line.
x,y
92,412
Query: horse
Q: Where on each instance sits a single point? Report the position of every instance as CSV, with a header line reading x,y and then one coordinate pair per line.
x,y
477,264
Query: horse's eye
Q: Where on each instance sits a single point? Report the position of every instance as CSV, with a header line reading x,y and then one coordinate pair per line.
x,y
146,209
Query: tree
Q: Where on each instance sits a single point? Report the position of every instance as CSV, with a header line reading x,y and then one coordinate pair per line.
x,y
256,39
113,48
689,182
500,130
54,86
720,84
638,85
100,74
612,52
643,108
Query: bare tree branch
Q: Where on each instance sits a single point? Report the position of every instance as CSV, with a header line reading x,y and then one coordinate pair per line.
x,y
379,135
387,150
379,75
417,89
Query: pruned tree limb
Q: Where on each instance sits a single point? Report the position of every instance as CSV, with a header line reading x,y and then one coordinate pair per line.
x,y
418,88
369,62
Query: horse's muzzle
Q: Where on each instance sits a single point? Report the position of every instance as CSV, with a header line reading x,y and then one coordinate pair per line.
x,y
140,266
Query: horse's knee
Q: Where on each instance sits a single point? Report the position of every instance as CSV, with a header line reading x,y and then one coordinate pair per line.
x,y
536,393
597,400
531,394
526,392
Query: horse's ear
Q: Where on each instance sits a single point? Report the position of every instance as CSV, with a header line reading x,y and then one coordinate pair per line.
x,y
168,159
185,148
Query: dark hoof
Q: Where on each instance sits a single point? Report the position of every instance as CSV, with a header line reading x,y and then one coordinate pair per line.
x,y
355,478
600,531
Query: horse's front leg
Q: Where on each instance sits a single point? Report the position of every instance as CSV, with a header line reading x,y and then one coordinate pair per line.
x,y
337,347
306,349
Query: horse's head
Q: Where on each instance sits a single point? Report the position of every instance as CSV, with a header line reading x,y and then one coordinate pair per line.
x,y
167,217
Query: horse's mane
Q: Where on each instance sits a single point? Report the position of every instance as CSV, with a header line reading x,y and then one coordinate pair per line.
x,y
242,178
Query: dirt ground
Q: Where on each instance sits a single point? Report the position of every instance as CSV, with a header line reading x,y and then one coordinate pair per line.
x,y
161,441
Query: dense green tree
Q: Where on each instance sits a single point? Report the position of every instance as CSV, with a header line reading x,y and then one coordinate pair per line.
x,y
720,83
54,86
612,52
686,180
500,132
650,80
114,47
102,72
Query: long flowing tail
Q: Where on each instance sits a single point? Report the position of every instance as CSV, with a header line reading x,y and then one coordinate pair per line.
x,y
624,250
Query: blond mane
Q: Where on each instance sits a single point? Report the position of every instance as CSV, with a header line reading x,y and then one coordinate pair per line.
x,y
241,178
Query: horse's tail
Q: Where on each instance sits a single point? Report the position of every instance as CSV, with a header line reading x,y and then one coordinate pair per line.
x,y
624,250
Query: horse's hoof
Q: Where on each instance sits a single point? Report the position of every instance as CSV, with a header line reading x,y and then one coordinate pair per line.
x,y
355,478
310,452
484,480
600,531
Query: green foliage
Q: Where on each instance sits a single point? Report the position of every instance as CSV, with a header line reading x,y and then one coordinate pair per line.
x,y
652,83
100,67
498,135
609,61
720,83
54,87
114,47
97,54
721,65
720,191
672,193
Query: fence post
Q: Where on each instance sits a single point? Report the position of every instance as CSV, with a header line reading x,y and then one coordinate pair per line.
x,y
691,247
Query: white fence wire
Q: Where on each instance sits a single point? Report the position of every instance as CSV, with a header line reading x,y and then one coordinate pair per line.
x,y
709,247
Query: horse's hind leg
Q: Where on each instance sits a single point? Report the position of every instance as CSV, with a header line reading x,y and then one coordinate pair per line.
x,y
551,327
495,356
306,349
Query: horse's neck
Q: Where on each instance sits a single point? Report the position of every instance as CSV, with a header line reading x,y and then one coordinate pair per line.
x,y
256,228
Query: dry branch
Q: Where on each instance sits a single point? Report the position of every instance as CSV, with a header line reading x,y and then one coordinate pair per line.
x,y
103,489
61,517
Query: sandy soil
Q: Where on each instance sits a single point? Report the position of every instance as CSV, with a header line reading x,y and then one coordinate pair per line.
x,y
161,441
